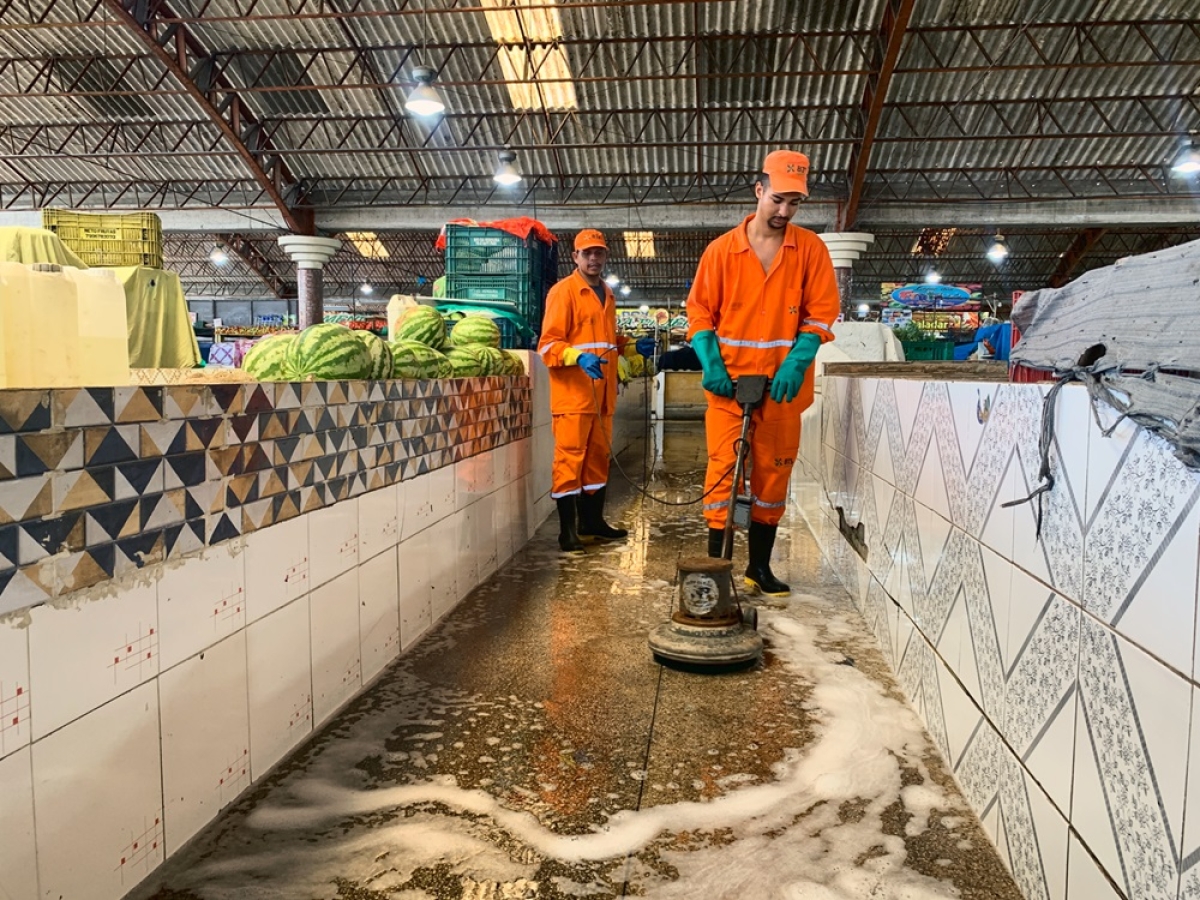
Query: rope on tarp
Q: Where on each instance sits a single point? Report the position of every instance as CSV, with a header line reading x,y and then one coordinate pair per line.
x,y
1045,442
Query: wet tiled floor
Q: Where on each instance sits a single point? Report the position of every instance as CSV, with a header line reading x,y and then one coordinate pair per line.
x,y
530,747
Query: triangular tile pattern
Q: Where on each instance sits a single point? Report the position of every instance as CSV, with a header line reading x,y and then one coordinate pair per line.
x,y
114,479
1048,656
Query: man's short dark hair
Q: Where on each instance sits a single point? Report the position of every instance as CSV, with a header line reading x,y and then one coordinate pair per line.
x,y
763,178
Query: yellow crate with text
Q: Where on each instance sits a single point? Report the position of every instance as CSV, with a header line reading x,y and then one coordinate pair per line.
x,y
109,239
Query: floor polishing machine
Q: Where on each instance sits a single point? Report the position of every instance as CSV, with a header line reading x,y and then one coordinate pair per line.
x,y
710,626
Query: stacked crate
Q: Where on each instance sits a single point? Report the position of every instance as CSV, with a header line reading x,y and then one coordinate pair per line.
x,y
109,240
512,274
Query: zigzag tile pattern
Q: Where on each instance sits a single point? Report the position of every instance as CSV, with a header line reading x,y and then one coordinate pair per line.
x,y
1060,674
96,483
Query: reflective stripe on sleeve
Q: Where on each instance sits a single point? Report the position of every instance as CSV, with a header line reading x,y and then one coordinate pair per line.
x,y
766,505
595,346
721,505
813,323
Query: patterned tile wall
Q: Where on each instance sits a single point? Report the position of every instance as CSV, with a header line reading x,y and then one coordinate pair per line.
x,y
96,483
1058,675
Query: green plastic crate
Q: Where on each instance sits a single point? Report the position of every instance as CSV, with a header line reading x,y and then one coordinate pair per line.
x,y
926,351
526,294
477,250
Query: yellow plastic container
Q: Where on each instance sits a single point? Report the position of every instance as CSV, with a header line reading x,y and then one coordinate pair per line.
x,y
109,239
103,327
39,327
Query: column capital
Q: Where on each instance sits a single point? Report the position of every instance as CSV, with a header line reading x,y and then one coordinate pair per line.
x,y
846,246
308,251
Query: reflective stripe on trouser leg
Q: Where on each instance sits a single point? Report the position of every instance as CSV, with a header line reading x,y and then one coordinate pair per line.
x,y
722,428
580,452
774,451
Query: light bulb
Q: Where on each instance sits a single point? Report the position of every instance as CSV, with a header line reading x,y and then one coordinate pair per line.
x,y
612,280
998,252
644,308
366,290
218,256
626,290
506,174
424,99
932,277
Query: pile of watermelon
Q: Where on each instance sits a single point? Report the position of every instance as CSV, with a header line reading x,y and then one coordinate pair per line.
x,y
424,347
420,348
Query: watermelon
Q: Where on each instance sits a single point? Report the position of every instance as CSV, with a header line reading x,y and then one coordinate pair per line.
x,y
494,362
329,352
267,360
469,361
513,364
382,365
475,329
421,323
412,359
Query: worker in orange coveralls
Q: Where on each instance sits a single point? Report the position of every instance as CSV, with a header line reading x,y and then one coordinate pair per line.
x,y
579,345
765,297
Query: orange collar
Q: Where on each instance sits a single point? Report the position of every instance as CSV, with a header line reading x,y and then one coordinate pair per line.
x,y
741,238
585,287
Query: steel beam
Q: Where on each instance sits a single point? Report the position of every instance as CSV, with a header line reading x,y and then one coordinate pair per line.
x,y
232,116
252,255
1074,254
896,15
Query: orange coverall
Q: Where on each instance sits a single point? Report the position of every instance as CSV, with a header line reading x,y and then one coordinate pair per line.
x,y
757,316
581,409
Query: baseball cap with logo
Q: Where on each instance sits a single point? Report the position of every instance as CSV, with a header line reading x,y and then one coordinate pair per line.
x,y
589,238
788,171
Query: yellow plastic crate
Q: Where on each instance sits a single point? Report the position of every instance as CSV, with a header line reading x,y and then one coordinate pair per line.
x,y
109,239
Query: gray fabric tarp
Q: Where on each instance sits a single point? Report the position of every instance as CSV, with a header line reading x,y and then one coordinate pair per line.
x,y
1131,332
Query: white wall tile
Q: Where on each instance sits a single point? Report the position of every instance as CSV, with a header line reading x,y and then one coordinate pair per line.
x,y
18,856
445,579
16,726
1085,879
200,602
487,555
1189,850
336,664
1041,660
279,673
379,612
468,553
445,582
400,489
543,457
1039,842
1130,760
205,737
378,522
97,789
418,505
416,555
84,654
1141,551
333,541
443,492
278,567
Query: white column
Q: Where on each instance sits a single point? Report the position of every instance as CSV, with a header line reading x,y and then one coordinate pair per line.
x,y
310,254
845,247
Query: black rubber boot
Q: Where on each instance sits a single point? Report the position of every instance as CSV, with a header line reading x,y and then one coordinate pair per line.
x,y
758,573
716,542
591,518
568,536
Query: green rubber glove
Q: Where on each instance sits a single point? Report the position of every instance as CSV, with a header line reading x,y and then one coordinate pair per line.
x,y
716,378
788,380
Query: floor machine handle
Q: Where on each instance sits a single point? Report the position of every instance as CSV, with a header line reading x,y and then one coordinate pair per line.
x,y
749,393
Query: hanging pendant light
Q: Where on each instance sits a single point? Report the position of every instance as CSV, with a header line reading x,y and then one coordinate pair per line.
x,y
998,252
424,99
506,174
1188,161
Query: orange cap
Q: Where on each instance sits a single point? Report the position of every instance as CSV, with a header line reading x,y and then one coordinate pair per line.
x,y
589,238
788,171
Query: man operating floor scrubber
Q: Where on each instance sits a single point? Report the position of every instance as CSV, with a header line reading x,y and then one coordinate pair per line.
x,y
764,299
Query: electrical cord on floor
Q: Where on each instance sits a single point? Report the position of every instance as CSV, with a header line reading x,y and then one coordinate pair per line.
x,y
640,488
